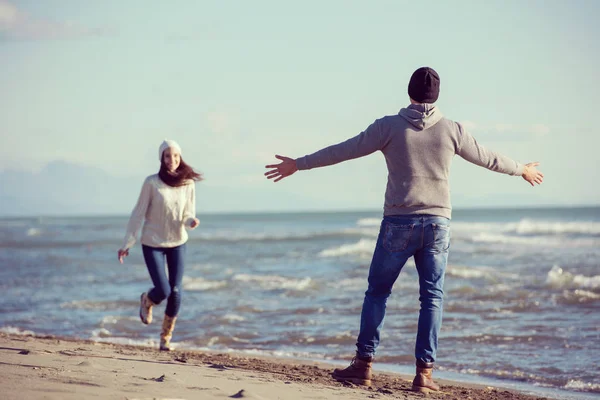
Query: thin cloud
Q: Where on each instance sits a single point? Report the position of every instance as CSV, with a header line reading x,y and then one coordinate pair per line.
x,y
16,24
506,129
540,129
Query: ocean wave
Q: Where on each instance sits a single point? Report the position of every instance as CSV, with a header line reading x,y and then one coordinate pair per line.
x,y
95,305
234,236
369,222
101,333
274,282
576,384
33,232
201,284
528,227
55,241
232,318
362,247
468,273
478,273
13,330
536,241
578,296
113,320
533,227
125,341
279,354
559,278
349,283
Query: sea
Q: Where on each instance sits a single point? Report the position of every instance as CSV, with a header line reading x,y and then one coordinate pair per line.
x,y
522,291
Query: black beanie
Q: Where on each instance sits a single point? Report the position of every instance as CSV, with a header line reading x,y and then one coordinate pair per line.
x,y
424,85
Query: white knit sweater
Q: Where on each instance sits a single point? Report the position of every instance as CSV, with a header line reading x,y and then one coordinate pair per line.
x,y
165,211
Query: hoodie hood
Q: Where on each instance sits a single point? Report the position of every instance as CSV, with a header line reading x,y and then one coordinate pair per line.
x,y
421,116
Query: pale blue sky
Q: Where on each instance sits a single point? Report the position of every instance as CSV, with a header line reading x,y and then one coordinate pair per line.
x,y
101,83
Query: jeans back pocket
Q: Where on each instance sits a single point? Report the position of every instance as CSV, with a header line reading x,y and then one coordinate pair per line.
x,y
441,238
397,237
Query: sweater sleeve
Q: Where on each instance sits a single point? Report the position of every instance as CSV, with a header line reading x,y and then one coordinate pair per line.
x,y
470,150
361,145
137,215
189,212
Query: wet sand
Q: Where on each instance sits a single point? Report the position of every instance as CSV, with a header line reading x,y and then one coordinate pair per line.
x,y
62,368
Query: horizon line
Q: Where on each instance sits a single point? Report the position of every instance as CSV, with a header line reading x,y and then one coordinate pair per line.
x,y
314,211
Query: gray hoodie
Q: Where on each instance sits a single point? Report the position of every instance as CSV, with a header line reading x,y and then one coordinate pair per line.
x,y
418,145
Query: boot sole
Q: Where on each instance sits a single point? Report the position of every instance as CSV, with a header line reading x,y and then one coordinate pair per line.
x,y
356,381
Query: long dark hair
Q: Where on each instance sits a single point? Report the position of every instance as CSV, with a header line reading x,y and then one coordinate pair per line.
x,y
181,176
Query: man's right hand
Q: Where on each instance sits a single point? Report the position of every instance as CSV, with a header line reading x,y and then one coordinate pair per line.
x,y
286,167
122,253
532,175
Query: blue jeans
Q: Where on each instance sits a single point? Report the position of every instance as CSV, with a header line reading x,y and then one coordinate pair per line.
x,y
427,238
165,288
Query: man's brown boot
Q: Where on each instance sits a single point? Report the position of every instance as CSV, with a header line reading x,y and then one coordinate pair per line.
x,y
358,372
423,382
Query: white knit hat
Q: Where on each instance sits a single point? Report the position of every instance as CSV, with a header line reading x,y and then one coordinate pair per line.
x,y
165,145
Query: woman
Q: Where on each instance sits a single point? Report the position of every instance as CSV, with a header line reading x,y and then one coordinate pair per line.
x,y
166,206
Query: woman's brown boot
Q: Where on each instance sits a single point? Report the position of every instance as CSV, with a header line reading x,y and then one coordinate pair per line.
x,y
167,333
146,308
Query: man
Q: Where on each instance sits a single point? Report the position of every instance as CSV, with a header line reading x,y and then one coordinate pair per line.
x,y
418,144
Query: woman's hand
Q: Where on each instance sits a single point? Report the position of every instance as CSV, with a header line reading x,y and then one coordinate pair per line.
x,y
532,175
195,222
122,253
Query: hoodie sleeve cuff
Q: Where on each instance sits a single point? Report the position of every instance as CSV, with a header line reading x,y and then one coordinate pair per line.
x,y
520,169
302,163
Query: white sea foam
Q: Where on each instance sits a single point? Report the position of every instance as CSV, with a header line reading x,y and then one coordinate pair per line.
x,y
576,384
349,283
112,319
280,354
109,319
557,277
272,282
529,227
13,330
233,317
236,236
100,333
479,272
33,232
534,241
486,237
585,294
528,231
124,340
362,247
465,272
580,296
201,284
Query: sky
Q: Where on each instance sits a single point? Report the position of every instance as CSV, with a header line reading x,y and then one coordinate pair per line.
x,y
102,83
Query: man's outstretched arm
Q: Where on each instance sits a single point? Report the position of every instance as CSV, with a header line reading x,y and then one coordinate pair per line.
x,y
361,145
477,154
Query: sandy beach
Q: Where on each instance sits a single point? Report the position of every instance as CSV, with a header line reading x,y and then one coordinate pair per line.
x,y
61,368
